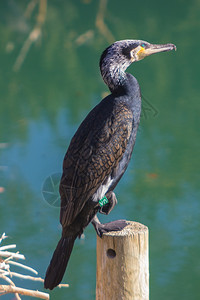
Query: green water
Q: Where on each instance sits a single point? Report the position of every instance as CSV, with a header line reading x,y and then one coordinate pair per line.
x,y
42,104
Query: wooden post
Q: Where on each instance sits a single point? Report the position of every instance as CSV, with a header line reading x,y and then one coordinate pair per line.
x,y
123,264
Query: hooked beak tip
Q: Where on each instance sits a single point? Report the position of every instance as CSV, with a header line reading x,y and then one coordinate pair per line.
x,y
162,48
173,47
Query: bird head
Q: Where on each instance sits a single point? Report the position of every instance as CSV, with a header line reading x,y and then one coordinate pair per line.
x,y
117,57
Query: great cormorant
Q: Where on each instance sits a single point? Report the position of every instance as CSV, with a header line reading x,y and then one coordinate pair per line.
x,y
99,152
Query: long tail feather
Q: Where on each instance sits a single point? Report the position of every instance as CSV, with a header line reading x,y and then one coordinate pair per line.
x,y
58,264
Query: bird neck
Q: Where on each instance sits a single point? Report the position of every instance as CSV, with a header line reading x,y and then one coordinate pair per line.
x,y
113,73
121,83
114,78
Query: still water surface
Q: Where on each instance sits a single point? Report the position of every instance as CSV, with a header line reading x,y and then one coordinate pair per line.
x,y
44,99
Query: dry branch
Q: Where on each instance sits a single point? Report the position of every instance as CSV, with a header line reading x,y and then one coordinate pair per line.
x,y
33,35
8,289
7,247
22,266
11,254
100,23
6,274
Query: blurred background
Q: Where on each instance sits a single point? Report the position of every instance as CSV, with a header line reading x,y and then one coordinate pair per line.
x,y
50,80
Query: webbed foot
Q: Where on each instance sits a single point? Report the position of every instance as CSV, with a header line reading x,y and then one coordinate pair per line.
x,y
107,227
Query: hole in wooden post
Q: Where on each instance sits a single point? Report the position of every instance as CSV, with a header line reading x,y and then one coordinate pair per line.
x,y
111,253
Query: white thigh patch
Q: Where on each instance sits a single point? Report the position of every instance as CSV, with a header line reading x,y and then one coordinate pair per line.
x,y
102,190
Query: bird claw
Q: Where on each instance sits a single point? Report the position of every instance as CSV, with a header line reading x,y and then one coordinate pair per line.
x,y
117,225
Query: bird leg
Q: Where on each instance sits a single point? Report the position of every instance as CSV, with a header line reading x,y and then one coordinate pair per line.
x,y
112,201
107,227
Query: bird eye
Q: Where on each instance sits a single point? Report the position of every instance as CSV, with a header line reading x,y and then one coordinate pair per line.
x,y
143,45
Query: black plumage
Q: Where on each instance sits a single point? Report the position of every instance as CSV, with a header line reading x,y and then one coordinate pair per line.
x,y
99,152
